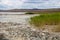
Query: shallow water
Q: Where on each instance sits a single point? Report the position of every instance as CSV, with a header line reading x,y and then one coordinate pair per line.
x,y
21,18
12,12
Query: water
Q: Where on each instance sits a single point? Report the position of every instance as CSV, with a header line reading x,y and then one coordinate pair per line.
x,y
12,12
14,18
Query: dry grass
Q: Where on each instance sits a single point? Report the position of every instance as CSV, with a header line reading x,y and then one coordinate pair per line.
x,y
56,29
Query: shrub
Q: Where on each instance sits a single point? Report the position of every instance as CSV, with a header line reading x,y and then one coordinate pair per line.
x,y
29,13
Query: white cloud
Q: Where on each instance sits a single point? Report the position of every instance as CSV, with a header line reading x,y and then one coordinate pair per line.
x,y
22,4
12,3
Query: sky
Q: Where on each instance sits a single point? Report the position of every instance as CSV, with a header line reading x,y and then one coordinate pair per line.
x,y
29,4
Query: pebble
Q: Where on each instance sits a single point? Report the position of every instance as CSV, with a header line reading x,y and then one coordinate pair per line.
x,y
15,31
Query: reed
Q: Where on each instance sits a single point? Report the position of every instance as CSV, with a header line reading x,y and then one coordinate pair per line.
x,y
46,19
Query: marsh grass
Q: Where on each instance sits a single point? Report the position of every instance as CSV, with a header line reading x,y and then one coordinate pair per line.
x,y
46,19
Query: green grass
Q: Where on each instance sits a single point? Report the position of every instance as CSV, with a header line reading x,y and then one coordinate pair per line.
x,y
46,19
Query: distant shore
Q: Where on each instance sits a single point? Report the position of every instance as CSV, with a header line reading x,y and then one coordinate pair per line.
x,y
32,10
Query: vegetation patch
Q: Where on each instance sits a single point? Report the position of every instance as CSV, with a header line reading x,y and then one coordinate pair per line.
x,y
46,19
29,13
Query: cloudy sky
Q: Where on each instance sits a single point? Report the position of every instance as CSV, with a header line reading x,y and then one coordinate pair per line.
x,y
29,4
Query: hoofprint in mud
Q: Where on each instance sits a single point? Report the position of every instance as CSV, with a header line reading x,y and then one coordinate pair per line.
x,y
16,27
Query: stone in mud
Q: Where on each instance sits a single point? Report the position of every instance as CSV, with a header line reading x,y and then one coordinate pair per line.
x,y
2,37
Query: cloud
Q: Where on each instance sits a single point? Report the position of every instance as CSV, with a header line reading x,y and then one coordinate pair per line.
x,y
23,4
12,3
